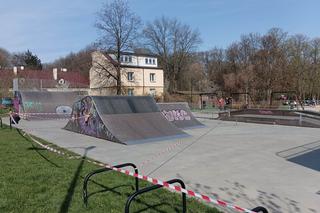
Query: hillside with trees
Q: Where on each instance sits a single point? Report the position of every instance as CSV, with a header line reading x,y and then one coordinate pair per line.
x,y
259,64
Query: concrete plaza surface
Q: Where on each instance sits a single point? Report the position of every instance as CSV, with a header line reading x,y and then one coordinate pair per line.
x,y
242,163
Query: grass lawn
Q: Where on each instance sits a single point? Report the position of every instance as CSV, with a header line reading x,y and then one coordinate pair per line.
x,y
4,111
35,180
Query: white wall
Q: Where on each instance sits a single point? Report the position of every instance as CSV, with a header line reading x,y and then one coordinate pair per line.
x,y
139,61
142,61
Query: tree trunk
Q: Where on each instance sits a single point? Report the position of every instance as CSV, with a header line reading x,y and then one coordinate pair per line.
x,y
118,80
118,71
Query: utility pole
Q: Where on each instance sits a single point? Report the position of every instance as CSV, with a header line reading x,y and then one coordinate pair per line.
x,y
191,90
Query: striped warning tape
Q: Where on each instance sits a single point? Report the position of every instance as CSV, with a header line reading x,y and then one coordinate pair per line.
x,y
40,117
150,179
44,113
43,118
179,189
168,149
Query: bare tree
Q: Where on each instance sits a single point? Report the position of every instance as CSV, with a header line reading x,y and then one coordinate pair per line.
x,y
173,42
119,29
80,61
4,58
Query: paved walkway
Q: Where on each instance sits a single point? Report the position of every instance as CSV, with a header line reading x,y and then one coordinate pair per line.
x,y
242,163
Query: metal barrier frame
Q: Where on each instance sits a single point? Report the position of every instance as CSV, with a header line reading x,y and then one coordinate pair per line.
x,y
260,209
88,176
154,187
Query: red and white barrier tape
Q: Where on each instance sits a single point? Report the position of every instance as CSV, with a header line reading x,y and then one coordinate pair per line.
x,y
43,113
179,189
152,180
167,150
39,116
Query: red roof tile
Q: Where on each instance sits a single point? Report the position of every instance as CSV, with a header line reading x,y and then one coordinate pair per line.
x,y
74,78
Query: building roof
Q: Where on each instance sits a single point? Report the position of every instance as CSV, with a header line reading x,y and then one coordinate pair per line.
x,y
73,77
132,53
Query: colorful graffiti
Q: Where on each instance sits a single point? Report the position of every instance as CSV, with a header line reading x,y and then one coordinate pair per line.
x,y
32,106
176,115
85,120
63,110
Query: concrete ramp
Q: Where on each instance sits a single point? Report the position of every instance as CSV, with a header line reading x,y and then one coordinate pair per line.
x,y
179,114
122,119
46,105
271,116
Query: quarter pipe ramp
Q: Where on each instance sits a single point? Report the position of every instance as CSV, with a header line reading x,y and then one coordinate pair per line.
x,y
123,119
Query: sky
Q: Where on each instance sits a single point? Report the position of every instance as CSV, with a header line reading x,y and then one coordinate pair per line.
x,y
54,28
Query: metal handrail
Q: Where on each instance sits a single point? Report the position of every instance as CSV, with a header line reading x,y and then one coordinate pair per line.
x,y
260,209
154,187
88,176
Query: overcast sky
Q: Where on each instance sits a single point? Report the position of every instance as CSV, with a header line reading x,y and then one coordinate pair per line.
x,y
53,28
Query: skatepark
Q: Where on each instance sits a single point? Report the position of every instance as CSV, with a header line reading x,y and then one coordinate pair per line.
x,y
250,164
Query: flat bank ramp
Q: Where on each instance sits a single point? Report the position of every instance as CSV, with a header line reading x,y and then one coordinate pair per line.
x,y
46,105
179,114
271,116
123,119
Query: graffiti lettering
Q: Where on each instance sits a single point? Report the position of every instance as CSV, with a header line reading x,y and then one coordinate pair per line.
x,y
30,105
176,115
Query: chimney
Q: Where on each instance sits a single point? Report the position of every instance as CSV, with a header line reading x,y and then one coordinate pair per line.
x,y
15,70
55,73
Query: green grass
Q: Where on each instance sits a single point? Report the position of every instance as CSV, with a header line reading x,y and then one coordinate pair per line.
x,y
35,180
4,111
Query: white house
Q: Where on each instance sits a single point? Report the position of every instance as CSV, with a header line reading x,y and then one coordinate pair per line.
x,y
140,74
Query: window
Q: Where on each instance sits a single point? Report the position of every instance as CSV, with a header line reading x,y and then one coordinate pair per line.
x,y
150,61
126,59
130,76
152,92
130,92
152,77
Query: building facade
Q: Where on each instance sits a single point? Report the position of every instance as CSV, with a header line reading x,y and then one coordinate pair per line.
x,y
140,75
